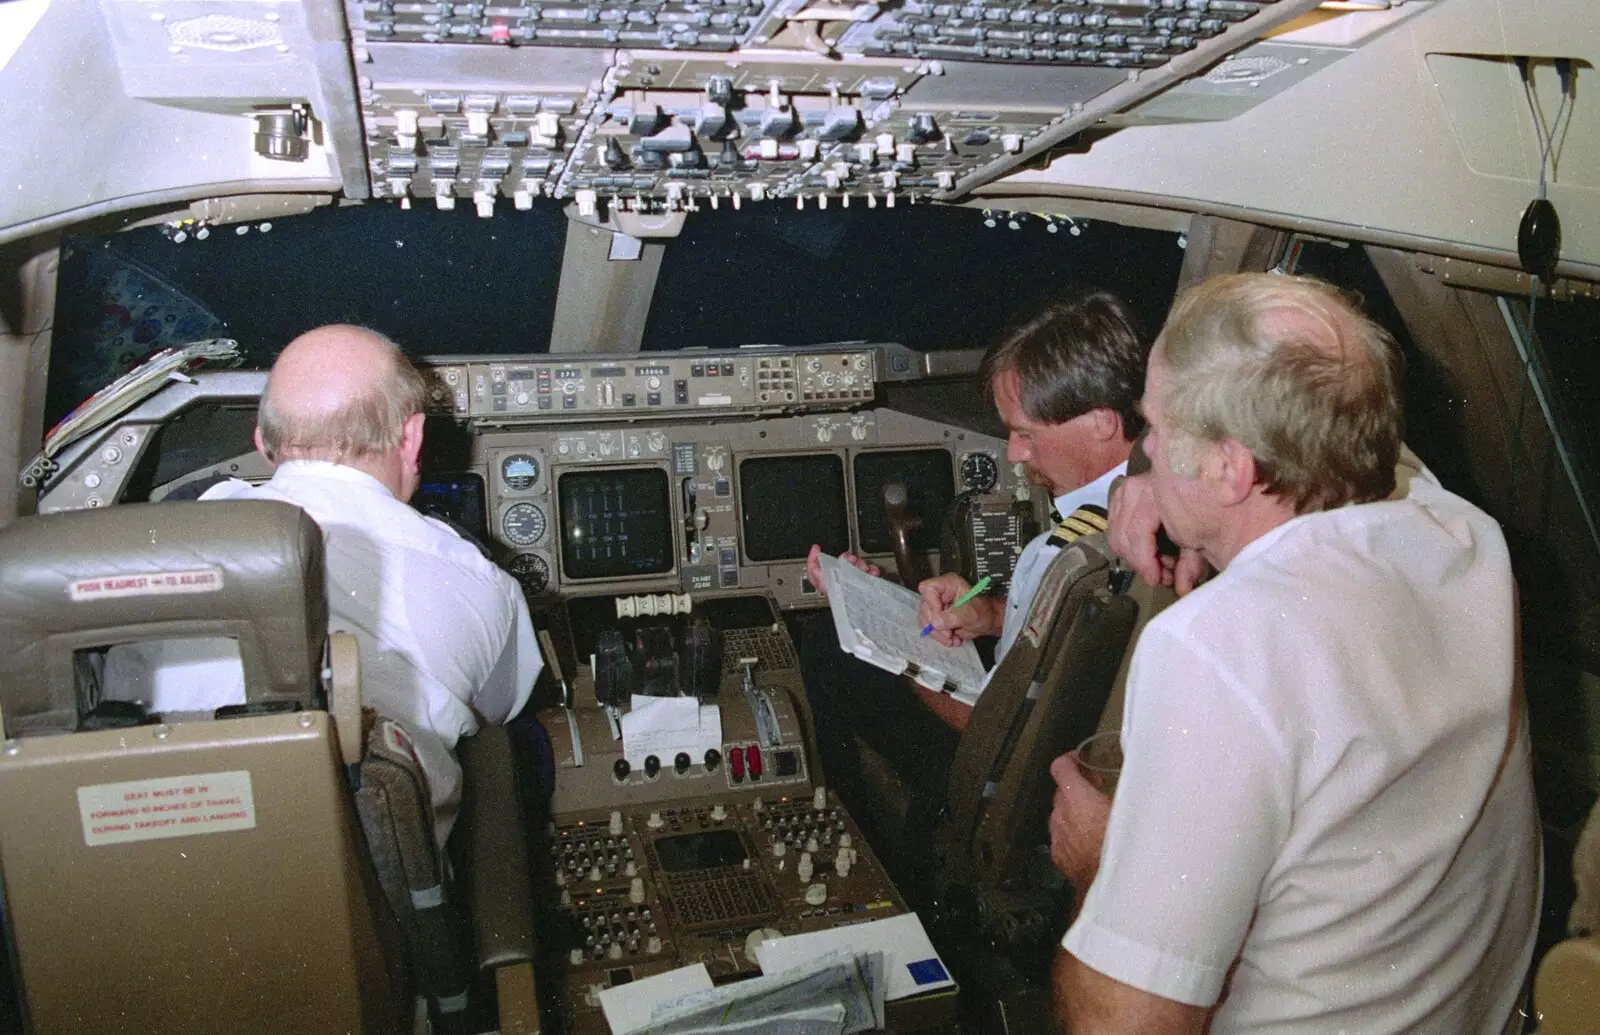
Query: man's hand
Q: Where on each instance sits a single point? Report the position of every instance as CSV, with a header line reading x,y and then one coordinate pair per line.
x,y
1134,524
953,626
1077,824
814,567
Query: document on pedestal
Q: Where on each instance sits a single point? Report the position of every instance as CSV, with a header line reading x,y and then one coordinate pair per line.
x,y
849,980
911,965
877,622
627,1007
664,726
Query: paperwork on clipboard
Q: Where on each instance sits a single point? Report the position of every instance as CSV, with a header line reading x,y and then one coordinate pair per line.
x,y
911,966
877,622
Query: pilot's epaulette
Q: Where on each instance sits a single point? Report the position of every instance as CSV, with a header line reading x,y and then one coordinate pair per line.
x,y
1086,520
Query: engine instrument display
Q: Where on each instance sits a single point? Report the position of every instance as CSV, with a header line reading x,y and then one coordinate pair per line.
x,y
519,472
615,523
523,524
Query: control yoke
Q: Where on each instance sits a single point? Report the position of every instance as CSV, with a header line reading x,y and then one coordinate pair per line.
x,y
903,522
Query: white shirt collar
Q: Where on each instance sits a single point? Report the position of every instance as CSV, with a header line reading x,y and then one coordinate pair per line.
x,y
327,469
1095,493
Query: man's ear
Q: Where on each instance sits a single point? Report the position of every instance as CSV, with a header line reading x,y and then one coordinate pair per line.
x,y
1232,468
411,438
261,446
1107,424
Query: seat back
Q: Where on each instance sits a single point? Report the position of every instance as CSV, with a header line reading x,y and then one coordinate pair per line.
x,y
1566,991
1044,697
193,876
396,813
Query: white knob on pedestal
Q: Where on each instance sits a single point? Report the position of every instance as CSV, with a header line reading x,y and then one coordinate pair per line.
x,y
779,849
575,957
841,864
811,845
819,798
653,946
718,813
636,890
654,822
816,895
805,868
615,826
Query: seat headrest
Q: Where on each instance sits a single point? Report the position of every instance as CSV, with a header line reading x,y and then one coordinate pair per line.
x,y
251,570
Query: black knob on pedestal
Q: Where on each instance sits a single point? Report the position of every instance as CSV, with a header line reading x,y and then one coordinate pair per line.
x,y
620,769
652,767
713,759
680,764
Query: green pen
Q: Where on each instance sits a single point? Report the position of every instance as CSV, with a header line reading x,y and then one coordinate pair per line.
x,y
982,585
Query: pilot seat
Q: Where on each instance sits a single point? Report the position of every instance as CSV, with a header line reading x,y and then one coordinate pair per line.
x,y
268,868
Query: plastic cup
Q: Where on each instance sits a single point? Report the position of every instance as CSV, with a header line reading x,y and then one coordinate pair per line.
x,y
1100,760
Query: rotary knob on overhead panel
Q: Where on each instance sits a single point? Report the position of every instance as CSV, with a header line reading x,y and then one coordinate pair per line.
x,y
923,129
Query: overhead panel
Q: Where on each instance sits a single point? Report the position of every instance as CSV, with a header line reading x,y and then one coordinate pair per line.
x,y
677,104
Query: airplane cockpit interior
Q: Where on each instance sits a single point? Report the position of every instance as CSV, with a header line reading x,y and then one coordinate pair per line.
x,y
694,287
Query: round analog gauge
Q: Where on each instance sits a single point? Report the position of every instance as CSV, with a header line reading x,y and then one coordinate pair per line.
x,y
523,524
979,472
531,570
519,471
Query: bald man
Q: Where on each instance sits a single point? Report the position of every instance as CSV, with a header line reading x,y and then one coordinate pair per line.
x,y
444,635
1325,819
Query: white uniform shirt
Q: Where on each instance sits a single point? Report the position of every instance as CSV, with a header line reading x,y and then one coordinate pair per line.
x,y
1035,558
444,635
1313,784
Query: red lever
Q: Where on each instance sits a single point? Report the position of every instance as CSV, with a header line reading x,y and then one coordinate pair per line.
x,y
752,755
736,762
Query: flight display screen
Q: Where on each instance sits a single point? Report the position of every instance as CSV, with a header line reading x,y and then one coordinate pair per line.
x,y
708,850
615,523
930,486
786,503
456,498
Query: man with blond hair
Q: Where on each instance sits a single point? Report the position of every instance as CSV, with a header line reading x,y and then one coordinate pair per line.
x,y
1325,819
444,635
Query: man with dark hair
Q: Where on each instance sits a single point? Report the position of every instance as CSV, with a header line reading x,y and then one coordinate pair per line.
x,y
444,635
1325,817
1066,381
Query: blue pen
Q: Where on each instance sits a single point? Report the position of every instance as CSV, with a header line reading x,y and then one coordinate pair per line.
x,y
982,585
